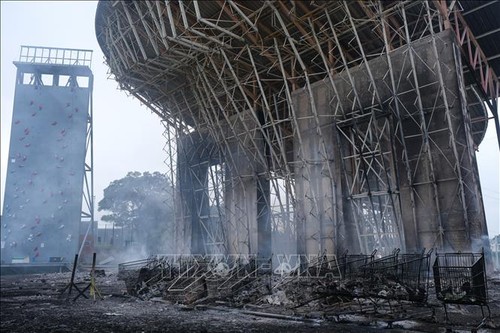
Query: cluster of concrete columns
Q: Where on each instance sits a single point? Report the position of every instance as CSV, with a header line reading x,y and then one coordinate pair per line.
x,y
382,151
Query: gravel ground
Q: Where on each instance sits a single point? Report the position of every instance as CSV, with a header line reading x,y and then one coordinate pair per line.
x,y
34,303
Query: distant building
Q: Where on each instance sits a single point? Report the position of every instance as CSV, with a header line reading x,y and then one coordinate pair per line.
x,y
112,237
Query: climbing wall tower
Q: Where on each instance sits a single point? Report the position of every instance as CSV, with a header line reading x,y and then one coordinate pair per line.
x,y
49,184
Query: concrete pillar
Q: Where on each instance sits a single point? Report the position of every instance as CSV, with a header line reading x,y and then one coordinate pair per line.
x,y
449,209
193,161
246,196
315,183
437,169
264,239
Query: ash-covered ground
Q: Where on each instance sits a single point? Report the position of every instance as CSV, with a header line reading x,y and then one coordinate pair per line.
x,y
34,303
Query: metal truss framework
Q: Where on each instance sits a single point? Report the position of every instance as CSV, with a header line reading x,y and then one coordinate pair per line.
x,y
224,76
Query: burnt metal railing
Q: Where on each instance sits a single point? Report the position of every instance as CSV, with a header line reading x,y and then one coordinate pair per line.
x,y
350,265
460,278
410,272
385,266
413,272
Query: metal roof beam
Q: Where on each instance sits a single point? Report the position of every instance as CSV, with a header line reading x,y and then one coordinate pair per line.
x,y
488,33
479,7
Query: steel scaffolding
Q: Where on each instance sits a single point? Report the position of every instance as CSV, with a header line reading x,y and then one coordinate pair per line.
x,y
319,125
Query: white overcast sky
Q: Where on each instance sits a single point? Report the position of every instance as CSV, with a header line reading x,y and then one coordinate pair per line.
x,y
127,136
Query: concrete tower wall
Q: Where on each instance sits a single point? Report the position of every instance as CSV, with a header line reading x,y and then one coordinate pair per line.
x,y
433,155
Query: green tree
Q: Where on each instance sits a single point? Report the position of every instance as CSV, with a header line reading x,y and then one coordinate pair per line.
x,y
143,204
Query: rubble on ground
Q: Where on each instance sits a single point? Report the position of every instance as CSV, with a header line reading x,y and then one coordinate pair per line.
x,y
184,294
159,277
354,284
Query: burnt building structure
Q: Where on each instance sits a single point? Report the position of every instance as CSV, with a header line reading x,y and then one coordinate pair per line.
x,y
313,127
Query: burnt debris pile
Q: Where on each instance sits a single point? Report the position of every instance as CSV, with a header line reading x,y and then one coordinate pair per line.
x,y
348,284
246,280
186,279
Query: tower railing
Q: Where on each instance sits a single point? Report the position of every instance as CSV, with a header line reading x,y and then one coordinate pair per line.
x,y
55,55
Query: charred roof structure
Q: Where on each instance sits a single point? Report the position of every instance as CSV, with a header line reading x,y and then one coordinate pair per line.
x,y
313,127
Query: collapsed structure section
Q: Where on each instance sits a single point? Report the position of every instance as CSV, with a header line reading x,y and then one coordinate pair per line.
x,y
310,127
